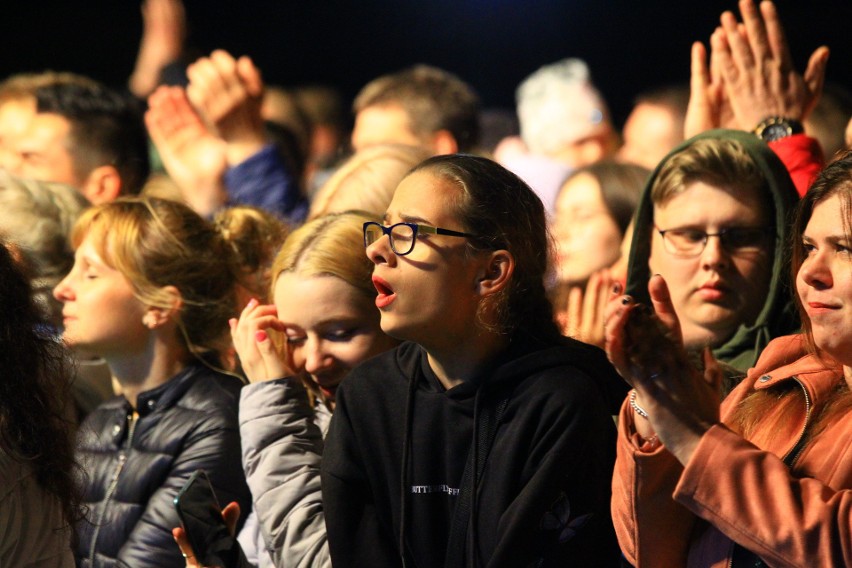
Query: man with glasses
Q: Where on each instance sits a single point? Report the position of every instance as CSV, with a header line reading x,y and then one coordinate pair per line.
x,y
713,222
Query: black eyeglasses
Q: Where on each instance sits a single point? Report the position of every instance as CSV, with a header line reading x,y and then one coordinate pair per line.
x,y
735,240
402,236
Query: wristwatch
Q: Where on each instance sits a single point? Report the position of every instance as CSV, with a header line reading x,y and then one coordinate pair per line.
x,y
777,127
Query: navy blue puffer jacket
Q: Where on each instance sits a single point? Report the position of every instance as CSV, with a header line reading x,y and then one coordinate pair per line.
x,y
134,470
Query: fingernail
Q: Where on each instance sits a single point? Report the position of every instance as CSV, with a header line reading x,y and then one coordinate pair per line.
x,y
260,336
626,300
251,303
616,289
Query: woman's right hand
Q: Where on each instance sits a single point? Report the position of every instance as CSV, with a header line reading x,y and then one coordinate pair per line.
x,y
583,318
259,358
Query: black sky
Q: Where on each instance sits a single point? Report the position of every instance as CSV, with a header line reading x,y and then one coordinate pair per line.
x,y
630,45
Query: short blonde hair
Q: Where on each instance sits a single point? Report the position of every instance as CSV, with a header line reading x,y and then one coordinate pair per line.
x,y
367,181
720,162
332,245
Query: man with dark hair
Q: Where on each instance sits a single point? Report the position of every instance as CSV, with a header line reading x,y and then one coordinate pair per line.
x,y
76,131
420,106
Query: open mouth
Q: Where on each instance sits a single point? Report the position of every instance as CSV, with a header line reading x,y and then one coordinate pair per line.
x,y
386,295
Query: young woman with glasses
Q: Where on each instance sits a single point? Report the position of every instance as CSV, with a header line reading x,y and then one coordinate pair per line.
x,y
713,221
764,479
485,438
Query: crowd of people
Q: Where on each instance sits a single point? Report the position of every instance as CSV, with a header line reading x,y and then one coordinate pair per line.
x,y
406,346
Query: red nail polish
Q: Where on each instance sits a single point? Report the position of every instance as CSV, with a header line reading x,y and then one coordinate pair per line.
x,y
260,335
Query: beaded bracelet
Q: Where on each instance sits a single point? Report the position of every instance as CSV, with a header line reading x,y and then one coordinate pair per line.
x,y
638,409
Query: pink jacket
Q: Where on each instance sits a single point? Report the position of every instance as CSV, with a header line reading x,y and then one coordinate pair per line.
x,y
799,517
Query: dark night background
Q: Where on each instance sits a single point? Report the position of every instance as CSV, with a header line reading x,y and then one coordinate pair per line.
x,y
630,45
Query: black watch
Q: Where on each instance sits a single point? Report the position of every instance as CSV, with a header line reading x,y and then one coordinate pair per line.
x,y
777,127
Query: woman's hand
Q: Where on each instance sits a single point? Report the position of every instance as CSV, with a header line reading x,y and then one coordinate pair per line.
x,y
231,514
681,402
583,318
260,360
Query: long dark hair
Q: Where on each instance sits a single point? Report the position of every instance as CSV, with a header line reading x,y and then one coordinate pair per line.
x,y
34,392
505,213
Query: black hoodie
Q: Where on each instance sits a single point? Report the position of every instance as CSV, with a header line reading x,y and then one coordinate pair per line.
x,y
543,497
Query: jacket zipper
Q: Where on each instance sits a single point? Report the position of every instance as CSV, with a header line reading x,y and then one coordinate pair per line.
x,y
122,460
791,456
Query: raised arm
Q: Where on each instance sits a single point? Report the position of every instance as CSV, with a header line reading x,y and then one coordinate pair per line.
x,y
193,157
227,93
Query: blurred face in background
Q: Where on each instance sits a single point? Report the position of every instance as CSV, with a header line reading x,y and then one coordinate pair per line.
x,y
587,237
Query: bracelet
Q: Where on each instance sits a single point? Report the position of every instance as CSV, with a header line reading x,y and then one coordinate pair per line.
x,y
638,409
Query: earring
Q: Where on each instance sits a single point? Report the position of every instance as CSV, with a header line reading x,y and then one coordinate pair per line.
x,y
149,321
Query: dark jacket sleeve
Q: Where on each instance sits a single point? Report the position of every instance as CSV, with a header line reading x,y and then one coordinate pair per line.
x,y
263,181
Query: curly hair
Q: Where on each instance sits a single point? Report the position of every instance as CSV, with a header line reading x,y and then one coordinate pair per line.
x,y
35,392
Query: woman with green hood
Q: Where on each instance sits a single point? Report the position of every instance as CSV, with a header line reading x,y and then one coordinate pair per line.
x,y
713,220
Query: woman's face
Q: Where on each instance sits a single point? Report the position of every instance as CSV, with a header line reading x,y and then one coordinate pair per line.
x,y
430,295
100,312
718,290
824,281
587,236
331,326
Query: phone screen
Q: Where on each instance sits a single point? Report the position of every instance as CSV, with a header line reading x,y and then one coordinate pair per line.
x,y
201,518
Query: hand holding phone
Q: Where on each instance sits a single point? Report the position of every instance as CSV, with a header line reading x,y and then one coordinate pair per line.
x,y
201,518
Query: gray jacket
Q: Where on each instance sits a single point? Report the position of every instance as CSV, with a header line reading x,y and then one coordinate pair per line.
x,y
282,444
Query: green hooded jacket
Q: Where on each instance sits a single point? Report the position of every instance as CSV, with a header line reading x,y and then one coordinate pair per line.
x,y
778,316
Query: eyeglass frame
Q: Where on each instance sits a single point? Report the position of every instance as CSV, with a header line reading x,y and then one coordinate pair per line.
x,y
721,234
416,229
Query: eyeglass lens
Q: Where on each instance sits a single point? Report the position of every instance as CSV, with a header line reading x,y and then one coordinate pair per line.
x,y
692,241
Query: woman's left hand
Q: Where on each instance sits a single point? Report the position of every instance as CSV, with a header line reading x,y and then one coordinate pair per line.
x,y
682,402
231,514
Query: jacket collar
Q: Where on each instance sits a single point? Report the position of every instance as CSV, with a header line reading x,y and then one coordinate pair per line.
x,y
787,359
167,393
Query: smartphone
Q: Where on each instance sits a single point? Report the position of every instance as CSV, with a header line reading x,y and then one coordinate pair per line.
x,y
201,517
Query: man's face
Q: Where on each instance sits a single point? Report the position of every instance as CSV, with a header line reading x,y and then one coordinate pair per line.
x,y
383,124
39,149
15,117
650,133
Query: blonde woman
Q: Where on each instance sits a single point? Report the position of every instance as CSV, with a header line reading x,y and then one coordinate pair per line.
x,y
150,291
323,312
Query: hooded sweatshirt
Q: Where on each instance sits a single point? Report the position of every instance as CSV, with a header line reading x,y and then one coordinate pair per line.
x,y
778,316
399,441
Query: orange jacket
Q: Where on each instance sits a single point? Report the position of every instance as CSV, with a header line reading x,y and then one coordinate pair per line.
x,y
733,491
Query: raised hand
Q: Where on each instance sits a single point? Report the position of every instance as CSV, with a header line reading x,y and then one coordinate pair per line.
x,y
750,75
708,106
227,93
583,317
260,359
163,36
757,69
192,156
